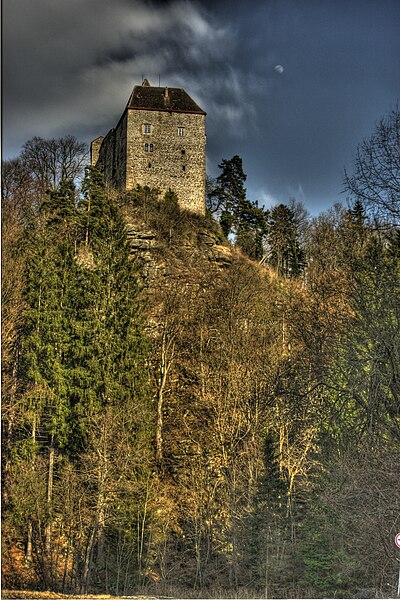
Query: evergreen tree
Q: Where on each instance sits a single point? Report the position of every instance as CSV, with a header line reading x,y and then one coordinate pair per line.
x,y
285,254
45,363
230,191
115,357
239,215
357,213
84,404
251,228
50,292
112,401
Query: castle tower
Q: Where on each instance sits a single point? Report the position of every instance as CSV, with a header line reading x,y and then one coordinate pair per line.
x,y
159,141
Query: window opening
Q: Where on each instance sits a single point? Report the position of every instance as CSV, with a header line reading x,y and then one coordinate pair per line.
x,y
181,131
147,128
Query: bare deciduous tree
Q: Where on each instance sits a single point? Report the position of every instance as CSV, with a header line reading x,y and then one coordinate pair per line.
x,y
376,178
55,159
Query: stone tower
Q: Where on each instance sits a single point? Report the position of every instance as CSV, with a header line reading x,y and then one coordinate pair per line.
x,y
159,141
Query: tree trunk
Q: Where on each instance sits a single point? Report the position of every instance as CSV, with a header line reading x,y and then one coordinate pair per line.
x,y
50,496
166,349
102,495
65,570
30,526
159,425
88,562
29,543
101,519
141,532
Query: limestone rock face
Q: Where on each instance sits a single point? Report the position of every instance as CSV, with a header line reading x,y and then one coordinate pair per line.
x,y
163,261
222,255
141,241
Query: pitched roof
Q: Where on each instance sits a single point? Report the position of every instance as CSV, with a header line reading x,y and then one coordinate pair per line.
x,y
146,97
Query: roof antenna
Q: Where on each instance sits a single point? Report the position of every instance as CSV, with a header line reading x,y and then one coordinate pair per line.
x,y
159,80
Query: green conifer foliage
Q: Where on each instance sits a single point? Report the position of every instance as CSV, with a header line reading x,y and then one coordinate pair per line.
x,y
49,295
43,398
84,409
239,215
115,350
230,189
112,411
285,254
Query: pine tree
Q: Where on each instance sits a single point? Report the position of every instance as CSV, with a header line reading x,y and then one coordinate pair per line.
x,y
112,401
285,255
44,368
251,228
239,215
230,191
112,323
85,412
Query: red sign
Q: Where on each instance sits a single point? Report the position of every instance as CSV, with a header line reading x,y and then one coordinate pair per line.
x,y
397,540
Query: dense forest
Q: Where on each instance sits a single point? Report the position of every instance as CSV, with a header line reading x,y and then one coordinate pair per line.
x,y
200,406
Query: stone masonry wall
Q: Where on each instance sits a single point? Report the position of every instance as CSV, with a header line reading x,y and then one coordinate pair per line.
x,y
105,159
95,150
112,154
177,162
119,164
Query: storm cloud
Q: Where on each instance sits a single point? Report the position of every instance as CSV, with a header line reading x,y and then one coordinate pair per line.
x,y
70,66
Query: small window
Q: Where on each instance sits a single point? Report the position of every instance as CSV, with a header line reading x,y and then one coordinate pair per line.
x,y
149,165
151,147
181,131
146,147
147,128
183,168
183,152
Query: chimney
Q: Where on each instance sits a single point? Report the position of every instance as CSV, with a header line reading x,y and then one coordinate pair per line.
x,y
166,93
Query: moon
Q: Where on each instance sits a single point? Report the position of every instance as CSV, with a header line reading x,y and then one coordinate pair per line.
x,y
279,68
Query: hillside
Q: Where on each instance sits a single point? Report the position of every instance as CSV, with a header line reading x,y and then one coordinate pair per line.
x,y
181,420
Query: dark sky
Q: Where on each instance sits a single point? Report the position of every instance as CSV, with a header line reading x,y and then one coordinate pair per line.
x,y
292,86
